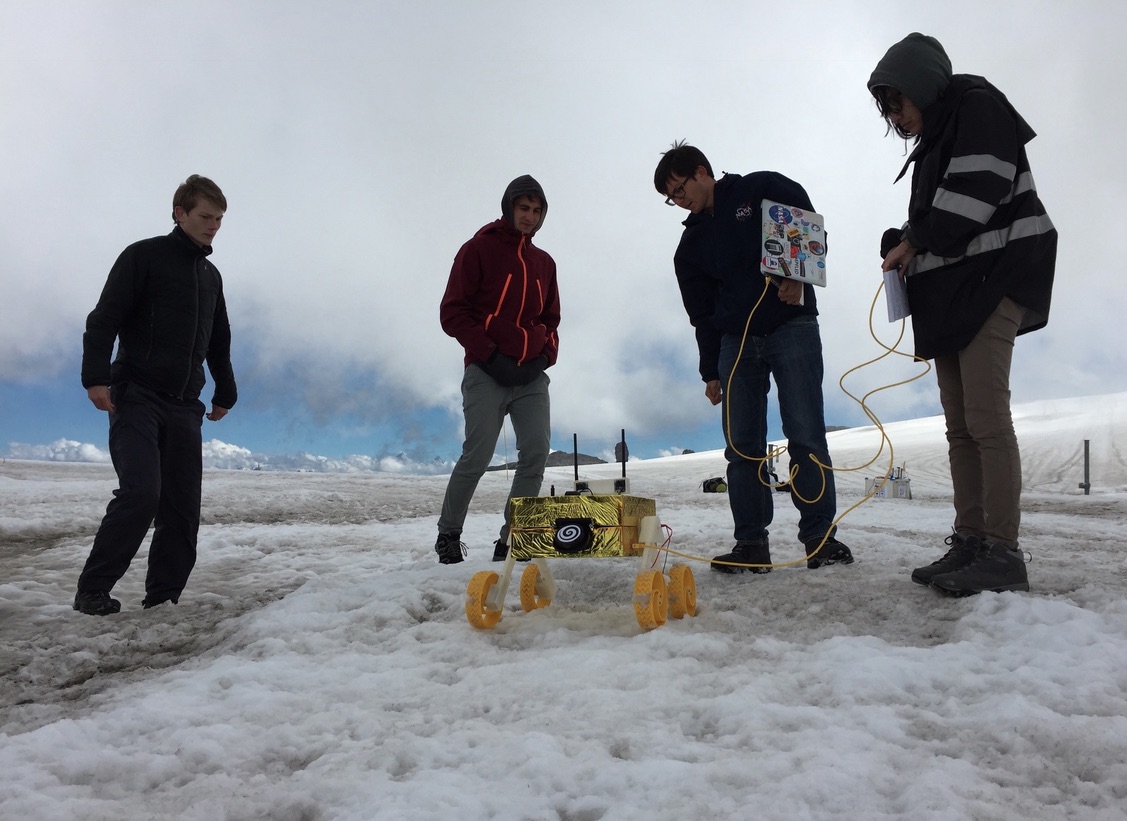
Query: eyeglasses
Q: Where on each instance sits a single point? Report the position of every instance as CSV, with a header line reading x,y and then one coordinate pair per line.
x,y
889,100
678,192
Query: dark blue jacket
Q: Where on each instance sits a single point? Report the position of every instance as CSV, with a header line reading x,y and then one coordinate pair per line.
x,y
717,265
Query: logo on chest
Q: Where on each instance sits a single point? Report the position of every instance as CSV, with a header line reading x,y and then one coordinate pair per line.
x,y
745,212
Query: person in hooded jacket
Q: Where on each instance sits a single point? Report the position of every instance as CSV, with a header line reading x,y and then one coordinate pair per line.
x,y
503,307
163,304
977,256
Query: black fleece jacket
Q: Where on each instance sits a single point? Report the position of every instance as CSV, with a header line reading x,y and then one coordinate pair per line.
x,y
163,302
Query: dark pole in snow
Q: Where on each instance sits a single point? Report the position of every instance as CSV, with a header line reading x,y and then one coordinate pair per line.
x,y
1086,485
575,453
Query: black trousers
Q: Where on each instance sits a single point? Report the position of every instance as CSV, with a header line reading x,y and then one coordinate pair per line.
x,y
156,445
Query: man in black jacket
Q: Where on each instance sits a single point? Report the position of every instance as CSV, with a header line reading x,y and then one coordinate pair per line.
x,y
163,304
748,333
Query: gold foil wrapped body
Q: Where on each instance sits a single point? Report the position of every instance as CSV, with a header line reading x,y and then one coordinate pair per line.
x,y
615,519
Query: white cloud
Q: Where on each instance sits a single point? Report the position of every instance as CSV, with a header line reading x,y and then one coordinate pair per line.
x,y
360,148
61,450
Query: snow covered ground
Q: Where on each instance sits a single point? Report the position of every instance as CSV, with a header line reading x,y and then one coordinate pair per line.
x,y
320,664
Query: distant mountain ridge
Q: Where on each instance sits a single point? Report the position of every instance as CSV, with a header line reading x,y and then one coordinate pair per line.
x,y
557,459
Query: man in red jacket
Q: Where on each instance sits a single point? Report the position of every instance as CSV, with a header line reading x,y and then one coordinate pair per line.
x,y
502,305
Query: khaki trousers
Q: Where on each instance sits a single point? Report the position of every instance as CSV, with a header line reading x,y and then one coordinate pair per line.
x,y
974,389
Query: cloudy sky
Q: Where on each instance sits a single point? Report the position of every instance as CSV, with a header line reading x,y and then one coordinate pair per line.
x,y
359,144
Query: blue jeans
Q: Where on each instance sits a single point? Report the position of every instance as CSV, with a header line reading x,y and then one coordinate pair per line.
x,y
793,355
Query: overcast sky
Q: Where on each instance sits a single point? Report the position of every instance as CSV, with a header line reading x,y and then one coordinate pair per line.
x,y
360,144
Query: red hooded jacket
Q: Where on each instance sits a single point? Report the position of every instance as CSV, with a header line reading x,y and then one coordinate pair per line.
x,y
502,296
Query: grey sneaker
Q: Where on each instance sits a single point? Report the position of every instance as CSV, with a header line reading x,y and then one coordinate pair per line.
x,y
963,550
96,604
742,555
995,567
449,548
832,552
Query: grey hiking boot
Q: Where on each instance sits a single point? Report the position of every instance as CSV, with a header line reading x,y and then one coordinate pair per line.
x,y
963,550
995,567
449,548
742,555
832,552
97,603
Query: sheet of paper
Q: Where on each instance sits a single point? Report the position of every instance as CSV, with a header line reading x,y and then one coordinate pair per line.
x,y
896,294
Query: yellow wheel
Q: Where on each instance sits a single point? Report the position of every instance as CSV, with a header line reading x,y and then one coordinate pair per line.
x,y
649,599
477,592
529,600
682,592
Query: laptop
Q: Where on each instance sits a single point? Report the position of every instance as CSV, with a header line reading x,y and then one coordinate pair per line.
x,y
794,243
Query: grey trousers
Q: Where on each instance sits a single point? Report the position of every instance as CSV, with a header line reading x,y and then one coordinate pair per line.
x,y
485,405
974,389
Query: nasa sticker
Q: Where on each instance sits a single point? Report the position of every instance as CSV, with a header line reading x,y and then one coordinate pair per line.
x,y
780,215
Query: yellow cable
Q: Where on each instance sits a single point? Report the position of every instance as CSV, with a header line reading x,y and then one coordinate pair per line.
x,y
863,402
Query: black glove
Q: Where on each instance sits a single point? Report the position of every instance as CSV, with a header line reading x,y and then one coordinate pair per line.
x,y
508,374
504,370
889,240
533,368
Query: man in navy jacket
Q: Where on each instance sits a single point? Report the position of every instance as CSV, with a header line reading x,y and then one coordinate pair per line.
x,y
750,328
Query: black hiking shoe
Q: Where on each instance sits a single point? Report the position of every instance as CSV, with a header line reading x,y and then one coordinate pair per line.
x,y
742,555
995,567
96,604
148,603
832,552
500,550
962,552
449,548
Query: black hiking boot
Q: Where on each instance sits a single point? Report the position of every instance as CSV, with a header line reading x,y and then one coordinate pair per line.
x,y
832,552
500,550
995,567
449,548
962,552
96,604
148,603
742,555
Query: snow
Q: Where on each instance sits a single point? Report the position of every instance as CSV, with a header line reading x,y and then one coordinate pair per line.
x,y
320,664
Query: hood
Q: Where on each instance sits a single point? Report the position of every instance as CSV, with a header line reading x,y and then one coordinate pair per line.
x,y
918,67
523,186
938,115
